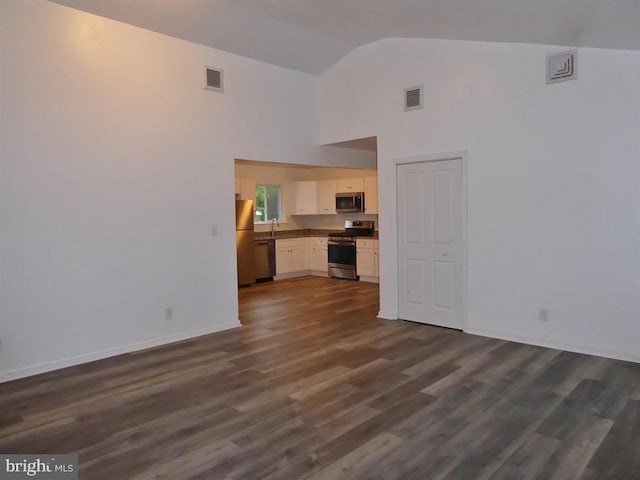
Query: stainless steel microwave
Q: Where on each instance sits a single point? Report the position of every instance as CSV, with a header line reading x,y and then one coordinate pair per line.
x,y
349,202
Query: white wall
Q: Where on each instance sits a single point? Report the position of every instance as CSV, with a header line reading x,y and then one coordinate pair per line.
x,y
323,173
335,222
553,178
115,164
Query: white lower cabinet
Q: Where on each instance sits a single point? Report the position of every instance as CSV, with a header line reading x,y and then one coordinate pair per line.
x,y
290,255
304,256
301,256
367,259
318,254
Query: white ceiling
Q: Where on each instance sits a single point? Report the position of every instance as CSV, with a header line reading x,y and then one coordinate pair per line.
x,y
312,35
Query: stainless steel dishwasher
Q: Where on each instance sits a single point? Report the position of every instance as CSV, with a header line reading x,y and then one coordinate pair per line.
x,y
265,253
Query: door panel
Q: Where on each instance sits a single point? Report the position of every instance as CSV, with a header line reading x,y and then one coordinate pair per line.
x,y
443,280
414,211
430,242
442,207
415,279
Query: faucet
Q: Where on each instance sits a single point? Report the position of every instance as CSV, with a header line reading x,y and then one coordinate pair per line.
x,y
274,221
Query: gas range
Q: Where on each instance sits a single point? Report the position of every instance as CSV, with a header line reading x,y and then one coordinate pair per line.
x,y
353,229
342,237
342,248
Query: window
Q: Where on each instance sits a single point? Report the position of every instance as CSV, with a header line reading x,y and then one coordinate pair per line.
x,y
268,203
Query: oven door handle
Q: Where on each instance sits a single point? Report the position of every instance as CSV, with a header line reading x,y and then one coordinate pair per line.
x,y
341,244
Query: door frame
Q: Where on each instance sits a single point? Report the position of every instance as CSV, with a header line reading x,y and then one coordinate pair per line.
x,y
436,157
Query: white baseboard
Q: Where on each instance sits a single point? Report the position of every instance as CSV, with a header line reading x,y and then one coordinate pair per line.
x,y
369,279
301,273
318,273
387,315
111,352
588,350
284,276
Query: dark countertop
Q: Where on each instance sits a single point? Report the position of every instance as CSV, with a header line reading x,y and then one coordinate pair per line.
x,y
283,234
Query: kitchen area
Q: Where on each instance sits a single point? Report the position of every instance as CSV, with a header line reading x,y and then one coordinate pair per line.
x,y
298,220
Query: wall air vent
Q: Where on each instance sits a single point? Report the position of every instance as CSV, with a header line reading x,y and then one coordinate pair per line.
x,y
213,79
562,66
412,98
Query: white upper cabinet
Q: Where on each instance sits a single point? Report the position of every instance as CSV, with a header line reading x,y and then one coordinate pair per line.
x,y
305,195
326,192
371,195
318,197
348,185
245,189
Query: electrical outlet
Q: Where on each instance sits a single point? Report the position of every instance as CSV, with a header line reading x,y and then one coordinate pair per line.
x,y
168,313
543,315
214,230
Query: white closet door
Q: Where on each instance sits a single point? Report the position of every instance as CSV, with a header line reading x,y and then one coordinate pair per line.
x,y
430,242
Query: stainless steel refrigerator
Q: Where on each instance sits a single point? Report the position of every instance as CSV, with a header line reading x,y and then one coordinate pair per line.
x,y
244,242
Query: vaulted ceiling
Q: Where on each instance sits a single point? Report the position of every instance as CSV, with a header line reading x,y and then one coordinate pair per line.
x,y
312,35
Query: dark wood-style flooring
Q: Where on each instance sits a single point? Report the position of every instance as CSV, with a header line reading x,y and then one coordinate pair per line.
x,y
314,386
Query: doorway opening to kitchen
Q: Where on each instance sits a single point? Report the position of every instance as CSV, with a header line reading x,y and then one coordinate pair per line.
x,y
296,206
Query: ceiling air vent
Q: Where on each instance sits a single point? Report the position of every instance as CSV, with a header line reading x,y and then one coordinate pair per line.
x,y
412,98
213,79
562,66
